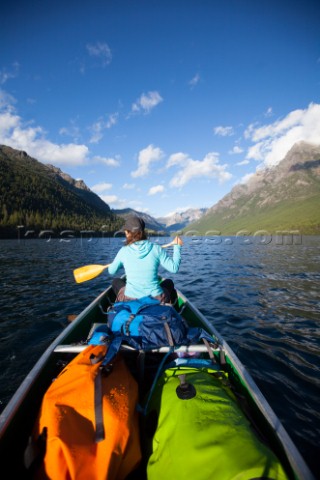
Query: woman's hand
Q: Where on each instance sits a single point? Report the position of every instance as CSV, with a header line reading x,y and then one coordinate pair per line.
x,y
178,241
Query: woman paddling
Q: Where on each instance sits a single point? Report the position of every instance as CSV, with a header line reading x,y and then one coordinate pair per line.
x,y
141,260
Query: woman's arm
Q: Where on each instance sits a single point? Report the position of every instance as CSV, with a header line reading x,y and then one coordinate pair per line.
x,y
171,264
116,264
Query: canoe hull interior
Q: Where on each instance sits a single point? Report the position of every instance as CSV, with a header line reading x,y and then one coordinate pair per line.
x,y
18,418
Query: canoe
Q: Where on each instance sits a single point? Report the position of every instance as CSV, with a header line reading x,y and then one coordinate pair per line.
x,y
229,380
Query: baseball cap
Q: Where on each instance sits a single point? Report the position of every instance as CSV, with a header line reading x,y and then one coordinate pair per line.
x,y
134,224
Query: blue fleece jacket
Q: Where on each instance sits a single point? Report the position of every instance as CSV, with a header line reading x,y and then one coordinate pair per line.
x,y
141,261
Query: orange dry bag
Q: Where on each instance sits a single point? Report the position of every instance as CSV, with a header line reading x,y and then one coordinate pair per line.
x,y
90,421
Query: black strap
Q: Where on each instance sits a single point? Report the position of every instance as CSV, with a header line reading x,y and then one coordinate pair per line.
x,y
98,411
35,452
96,358
127,325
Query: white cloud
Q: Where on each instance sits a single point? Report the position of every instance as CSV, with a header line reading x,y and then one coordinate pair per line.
x,y
179,210
269,112
235,150
223,131
114,201
8,123
100,125
147,156
72,131
147,102
49,152
109,162
32,140
128,186
26,136
194,81
101,187
246,178
17,134
156,189
273,141
6,101
7,74
243,162
101,51
177,159
256,151
110,199
190,169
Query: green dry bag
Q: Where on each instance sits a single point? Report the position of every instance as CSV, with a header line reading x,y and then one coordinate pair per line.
x,y
203,434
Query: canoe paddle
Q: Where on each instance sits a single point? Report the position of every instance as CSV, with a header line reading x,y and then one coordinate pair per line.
x,y
88,272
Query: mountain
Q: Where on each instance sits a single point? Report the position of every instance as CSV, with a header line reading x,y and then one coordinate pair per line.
x,y
284,197
152,224
165,225
178,221
41,197
80,189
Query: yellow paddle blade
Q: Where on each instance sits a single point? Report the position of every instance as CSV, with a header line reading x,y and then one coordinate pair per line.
x,y
82,274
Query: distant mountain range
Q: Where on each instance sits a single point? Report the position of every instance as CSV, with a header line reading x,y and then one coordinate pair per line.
x,y
165,225
178,221
40,196
151,223
284,197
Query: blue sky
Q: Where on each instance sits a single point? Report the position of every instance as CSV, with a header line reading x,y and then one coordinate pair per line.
x,y
159,105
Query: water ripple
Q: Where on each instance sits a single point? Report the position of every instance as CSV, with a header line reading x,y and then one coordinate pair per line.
x,y
264,300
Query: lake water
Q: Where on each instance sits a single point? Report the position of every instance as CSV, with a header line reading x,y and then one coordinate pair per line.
x,y
262,294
